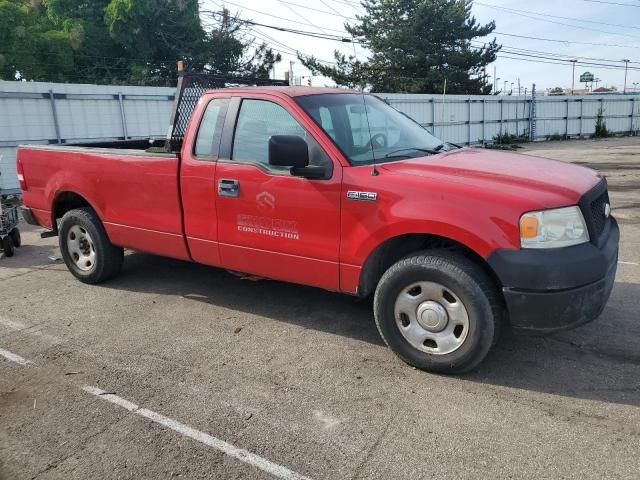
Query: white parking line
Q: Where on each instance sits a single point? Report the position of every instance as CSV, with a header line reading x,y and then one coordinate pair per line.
x,y
15,358
628,263
19,327
213,442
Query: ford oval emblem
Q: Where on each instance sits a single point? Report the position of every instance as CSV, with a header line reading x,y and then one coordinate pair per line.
x,y
607,210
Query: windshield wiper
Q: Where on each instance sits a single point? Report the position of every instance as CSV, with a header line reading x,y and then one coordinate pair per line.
x,y
425,150
442,145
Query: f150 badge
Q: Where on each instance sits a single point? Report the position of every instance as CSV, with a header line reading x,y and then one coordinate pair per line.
x,y
356,195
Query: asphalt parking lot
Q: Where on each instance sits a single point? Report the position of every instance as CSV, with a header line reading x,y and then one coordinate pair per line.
x,y
231,378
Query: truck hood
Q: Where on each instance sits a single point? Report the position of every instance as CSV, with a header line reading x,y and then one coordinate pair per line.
x,y
551,182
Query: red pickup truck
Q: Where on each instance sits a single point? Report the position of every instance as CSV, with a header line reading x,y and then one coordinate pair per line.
x,y
336,189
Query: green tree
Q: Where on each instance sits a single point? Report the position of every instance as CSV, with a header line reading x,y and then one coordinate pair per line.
x,y
31,46
414,46
121,41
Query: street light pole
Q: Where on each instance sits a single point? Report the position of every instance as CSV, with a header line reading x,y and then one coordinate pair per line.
x,y
504,88
573,75
626,66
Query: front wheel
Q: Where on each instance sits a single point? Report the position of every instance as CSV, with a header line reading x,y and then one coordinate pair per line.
x,y
86,249
438,311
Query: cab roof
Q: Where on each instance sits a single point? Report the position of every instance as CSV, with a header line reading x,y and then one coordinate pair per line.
x,y
291,91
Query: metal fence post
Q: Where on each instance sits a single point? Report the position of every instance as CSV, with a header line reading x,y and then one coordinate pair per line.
x,y
581,114
566,125
532,114
483,120
469,123
517,122
501,106
433,116
633,108
54,112
122,116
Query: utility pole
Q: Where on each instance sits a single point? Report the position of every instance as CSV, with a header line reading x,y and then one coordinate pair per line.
x,y
626,66
573,75
291,79
495,80
596,81
518,87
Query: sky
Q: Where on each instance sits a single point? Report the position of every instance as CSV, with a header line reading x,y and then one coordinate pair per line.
x,y
591,31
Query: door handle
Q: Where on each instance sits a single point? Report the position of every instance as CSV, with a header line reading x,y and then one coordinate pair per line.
x,y
228,187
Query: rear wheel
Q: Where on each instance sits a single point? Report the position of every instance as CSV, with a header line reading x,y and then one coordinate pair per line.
x,y
86,249
7,246
15,236
438,311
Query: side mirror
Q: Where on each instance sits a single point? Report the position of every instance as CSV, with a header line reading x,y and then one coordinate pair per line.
x,y
288,151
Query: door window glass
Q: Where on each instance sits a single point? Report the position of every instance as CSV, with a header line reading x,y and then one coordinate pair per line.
x,y
258,120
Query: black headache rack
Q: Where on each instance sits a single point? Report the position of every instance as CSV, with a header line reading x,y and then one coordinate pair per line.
x,y
191,86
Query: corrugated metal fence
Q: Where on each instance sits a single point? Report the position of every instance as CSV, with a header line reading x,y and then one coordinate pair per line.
x,y
476,119
44,113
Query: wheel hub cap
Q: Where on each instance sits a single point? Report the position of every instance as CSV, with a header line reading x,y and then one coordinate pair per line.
x,y
81,248
432,316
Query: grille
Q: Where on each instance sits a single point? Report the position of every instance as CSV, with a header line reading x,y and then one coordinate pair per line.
x,y
191,86
598,220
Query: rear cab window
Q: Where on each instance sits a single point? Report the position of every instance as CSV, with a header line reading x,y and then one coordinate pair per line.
x,y
207,144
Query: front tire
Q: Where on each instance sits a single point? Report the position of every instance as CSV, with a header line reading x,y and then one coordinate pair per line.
x,y
86,249
438,311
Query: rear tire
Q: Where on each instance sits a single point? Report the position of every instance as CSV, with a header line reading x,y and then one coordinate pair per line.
x,y
86,249
438,311
7,246
15,236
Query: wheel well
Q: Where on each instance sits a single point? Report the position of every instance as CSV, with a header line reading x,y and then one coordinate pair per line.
x,y
64,202
393,249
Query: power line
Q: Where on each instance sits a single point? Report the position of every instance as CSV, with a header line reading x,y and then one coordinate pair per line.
x,y
515,10
567,42
280,17
614,3
318,10
514,50
558,23
323,36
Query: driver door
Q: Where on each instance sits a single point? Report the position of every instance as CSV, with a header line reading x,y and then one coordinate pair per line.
x,y
271,223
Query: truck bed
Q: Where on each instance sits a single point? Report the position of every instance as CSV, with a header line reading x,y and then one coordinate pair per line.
x,y
135,190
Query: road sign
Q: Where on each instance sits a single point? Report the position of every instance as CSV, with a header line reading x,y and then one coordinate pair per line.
x,y
586,77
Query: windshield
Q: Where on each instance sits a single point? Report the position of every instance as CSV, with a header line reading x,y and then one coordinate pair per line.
x,y
367,130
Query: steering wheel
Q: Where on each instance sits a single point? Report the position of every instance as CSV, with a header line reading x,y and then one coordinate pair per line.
x,y
374,141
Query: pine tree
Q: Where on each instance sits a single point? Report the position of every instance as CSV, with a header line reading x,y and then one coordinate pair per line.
x,y
414,46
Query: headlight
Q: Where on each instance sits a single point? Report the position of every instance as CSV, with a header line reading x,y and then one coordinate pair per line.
x,y
560,227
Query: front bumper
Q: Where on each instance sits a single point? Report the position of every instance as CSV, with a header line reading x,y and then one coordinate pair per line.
x,y
558,289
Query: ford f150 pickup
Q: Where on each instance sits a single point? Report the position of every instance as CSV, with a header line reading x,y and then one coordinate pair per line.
x,y
336,189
